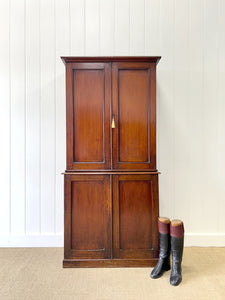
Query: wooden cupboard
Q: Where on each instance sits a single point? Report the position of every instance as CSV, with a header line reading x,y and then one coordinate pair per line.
x,y
111,179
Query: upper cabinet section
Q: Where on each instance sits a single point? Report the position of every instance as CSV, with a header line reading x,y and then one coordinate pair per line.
x,y
111,113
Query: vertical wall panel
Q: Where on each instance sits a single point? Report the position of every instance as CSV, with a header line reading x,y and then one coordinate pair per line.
x,y
137,27
221,108
18,138
152,41
210,111
182,134
196,125
165,104
32,117
107,25
62,48
122,27
77,27
5,107
92,27
48,151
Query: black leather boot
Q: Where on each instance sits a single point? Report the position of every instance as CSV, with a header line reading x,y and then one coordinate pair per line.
x,y
164,249
177,246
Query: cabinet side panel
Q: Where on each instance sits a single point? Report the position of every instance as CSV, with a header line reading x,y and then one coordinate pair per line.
x,y
135,207
133,106
88,208
88,115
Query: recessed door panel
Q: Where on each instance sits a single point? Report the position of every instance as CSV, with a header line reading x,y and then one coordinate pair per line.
x,y
133,109
135,207
88,206
88,116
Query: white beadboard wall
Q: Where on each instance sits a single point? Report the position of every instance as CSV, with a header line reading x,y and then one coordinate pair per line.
x,y
190,37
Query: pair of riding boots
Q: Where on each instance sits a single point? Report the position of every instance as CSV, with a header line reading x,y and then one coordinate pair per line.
x,y
171,239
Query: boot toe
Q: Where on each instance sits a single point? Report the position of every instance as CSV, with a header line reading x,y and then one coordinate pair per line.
x,y
175,280
155,275
157,271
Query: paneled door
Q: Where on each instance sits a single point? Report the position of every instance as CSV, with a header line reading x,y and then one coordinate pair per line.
x,y
88,115
133,96
135,207
87,216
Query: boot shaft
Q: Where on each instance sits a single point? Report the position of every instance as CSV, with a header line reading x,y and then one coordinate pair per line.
x,y
177,239
164,237
177,246
164,245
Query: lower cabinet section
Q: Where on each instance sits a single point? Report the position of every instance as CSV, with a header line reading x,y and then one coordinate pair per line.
x,y
110,220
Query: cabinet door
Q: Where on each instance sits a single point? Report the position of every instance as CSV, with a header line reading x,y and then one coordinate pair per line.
x,y
88,87
134,110
135,212
87,217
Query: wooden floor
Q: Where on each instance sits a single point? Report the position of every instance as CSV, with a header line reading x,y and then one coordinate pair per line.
x,y
37,273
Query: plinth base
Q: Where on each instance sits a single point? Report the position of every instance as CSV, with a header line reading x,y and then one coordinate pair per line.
x,y
109,263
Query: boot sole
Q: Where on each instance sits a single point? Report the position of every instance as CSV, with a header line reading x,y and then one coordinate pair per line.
x,y
160,275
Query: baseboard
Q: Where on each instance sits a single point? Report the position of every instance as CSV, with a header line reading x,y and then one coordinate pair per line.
x,y
56,240
32,240
204,239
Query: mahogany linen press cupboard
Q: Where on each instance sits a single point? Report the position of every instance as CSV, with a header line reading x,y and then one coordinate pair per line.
x,y
111,181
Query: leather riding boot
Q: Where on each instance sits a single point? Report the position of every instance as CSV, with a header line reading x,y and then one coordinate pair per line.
x,y
177,245
164,248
